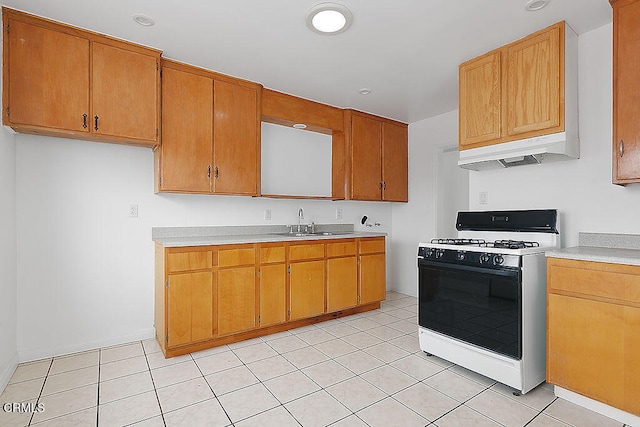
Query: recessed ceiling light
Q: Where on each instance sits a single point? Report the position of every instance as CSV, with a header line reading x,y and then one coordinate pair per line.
x,y
364,91
300,126
143,20
533,5
329,18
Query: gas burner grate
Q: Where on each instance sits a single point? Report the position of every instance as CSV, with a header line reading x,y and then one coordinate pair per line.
x,y
513,244
467,242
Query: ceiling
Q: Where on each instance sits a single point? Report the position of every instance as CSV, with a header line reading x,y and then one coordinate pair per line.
x,y
406,51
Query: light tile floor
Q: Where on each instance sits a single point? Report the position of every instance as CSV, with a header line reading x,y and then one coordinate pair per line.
x,y
362,370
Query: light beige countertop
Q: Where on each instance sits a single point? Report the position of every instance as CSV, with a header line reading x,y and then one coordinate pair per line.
x,y
228,235
603,247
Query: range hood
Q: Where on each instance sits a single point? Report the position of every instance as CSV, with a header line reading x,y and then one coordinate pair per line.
x,y
546,148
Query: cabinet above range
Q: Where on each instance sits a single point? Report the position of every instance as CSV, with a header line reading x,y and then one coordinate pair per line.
x,y
519,103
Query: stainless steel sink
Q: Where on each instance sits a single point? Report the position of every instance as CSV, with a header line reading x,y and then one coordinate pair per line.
x,y
319,233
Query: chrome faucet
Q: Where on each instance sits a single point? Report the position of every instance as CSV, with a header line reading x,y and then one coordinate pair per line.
x,y
300,216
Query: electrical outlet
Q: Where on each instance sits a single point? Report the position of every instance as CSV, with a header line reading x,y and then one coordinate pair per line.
x,y
483,197
338,213
267,214
133,211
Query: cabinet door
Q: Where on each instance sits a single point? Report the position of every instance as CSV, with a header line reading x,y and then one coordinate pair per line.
x,y
631,351
480,100
187,125
48,78
273,309
236,300
235,139
534,83
373,279
124,93
190,308
306,289
626,93
342,283
366,167
395,163
584,348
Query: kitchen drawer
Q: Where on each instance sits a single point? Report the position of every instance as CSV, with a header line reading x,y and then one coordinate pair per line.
x,y
271,254
236,256
300,252
340,249
372,246
614,281
189,261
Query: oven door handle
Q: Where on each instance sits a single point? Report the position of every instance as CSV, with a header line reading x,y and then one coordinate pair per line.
x,y
504,271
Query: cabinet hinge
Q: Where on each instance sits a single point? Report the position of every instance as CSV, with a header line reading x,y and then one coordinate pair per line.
x,y
289,269
157,132
258,319
166,283
7,28
7,111
160,181
358,299
289,313
160,72
166,338
258,278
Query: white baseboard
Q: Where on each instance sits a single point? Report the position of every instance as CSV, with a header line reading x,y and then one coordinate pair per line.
x,y
46,352
7,373
599,407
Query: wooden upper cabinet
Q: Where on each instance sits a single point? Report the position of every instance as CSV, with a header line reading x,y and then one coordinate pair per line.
x,y
236,138
125,93
626,92
366,164
210,133
516,91
533,83
46,77
378,158
186,152
57,79
395,162
480,96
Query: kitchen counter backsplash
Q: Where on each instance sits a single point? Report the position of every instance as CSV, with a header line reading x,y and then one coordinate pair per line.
x,y
606,240
603,247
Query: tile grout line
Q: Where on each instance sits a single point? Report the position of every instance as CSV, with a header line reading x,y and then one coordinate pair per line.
x,y
215,396
155,390
41,390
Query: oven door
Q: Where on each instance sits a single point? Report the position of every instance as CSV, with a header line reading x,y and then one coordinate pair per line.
x,y
480,306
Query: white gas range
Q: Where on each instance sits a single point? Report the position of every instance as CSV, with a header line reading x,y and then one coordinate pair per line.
x,y
482,295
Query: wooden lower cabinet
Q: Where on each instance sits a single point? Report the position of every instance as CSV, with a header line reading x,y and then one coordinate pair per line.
x,y
236,300
342,275
593,319
214,295
306,289
372,270
190,308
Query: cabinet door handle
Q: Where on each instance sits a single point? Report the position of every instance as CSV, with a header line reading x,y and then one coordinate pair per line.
x,y
84,120
216,170
96,122
384,185
621,147
209,171
380,185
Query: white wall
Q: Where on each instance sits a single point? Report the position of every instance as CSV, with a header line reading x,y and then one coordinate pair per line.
x,y
580,189
8,266
416,221
85,269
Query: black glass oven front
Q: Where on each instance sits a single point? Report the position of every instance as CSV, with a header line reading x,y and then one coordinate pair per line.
x,y
480,306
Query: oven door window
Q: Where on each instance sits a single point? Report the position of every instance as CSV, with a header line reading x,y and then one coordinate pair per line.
x,y
475,305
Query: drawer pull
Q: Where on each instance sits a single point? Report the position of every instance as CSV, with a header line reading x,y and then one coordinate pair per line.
x,y
96,122
84,120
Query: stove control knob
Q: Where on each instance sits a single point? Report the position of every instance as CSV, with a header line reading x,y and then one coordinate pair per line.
x,y
430,252
460,256
439,253
485,258
498,259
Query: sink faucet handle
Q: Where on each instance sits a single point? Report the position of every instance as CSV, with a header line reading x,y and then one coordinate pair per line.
x,y
313,227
